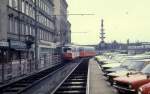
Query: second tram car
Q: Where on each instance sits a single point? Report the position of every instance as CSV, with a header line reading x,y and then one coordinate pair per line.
x,y
87,51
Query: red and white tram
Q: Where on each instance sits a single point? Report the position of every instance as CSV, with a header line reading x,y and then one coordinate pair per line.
x,y
71,52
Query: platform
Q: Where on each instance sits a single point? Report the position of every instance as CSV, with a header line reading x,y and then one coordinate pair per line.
x,y
97,84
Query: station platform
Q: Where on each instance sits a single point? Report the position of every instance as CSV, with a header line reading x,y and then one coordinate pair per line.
x,y
97,84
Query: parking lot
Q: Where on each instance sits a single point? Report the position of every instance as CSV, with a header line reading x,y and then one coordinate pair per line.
x,y
120,74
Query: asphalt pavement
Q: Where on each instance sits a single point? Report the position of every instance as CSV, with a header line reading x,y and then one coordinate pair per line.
x,y
97,82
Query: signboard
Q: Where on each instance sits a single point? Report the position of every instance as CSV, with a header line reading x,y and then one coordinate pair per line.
x,y
17,45
4,44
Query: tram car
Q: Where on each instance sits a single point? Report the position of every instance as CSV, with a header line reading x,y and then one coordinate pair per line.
x,y
71,52
86,51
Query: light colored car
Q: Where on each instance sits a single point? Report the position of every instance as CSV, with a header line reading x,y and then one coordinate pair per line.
x,y
111,64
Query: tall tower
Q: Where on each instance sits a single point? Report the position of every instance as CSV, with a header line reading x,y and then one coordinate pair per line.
x,y
102,44
102,33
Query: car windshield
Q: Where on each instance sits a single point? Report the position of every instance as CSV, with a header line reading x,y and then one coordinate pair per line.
x,y
137,66
67,49
146,69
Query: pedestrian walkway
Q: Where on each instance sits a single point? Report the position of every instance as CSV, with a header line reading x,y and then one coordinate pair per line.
x,y
97,84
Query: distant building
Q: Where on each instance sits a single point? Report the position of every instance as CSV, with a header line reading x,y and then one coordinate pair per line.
x,y
138,47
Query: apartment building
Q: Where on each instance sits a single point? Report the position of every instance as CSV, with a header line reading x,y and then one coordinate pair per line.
x,y
27,33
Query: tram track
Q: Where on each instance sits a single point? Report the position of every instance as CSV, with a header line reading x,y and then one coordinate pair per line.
x,y
20,86
76,81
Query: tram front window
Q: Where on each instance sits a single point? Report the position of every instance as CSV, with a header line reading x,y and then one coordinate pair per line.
x,y
67,49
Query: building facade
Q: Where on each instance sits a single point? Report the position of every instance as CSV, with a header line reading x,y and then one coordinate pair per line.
x,y
68,35
62,24
27,34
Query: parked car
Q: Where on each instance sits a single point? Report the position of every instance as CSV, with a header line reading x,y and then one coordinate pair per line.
x,y
134,67
110,65
101,59
122,67
125,62
109,58
144,89
131,83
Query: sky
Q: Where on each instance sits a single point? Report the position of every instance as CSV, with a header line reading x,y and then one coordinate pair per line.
x,y
123,19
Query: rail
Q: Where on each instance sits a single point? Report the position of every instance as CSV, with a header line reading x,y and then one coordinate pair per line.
x,y
76,81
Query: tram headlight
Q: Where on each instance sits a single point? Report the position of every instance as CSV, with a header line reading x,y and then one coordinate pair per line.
x,y
140,91
114,83
130,86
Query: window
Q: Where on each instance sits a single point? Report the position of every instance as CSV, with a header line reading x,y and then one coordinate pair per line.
x,y
27,8
43,34
16,26
33,1
46,36
40,34
27,29
33,31
10,24
10,3
30,10
49,38
23,28
23,6
15,4
37,3
45,7
30,30
33,13
40,3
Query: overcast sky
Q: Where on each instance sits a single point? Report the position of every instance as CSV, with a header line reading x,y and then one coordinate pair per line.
x,y
123,19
